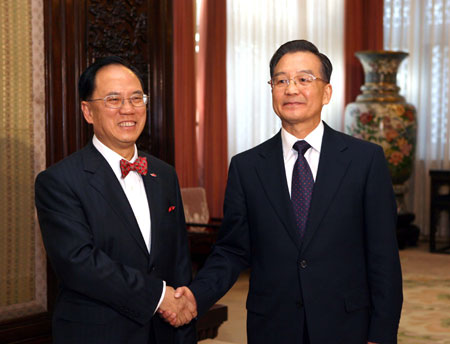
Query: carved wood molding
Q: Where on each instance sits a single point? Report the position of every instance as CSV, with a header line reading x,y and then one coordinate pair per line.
x,y
140,32
118,28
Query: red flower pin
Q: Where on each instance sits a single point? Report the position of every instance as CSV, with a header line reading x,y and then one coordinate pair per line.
x,y
171,208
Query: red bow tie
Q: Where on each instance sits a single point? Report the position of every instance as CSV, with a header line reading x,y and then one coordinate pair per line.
x,y
140,166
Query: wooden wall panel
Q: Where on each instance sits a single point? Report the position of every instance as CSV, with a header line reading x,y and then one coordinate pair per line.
x,y
64,32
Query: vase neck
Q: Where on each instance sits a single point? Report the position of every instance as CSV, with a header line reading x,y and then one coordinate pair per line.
x,y
380,75
380,92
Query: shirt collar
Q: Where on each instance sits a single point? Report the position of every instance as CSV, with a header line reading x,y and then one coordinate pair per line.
x,y
112,157
314,138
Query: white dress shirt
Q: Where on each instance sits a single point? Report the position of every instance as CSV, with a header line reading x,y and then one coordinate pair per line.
x,y
314,138
133,186
134,189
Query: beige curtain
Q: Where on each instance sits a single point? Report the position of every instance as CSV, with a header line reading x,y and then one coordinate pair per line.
x,y
422,28
255,29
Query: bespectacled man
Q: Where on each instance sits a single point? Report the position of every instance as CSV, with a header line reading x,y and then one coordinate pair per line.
x,y
113,225
312,213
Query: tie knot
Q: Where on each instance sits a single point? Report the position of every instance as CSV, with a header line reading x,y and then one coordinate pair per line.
x,y
301,146
140,166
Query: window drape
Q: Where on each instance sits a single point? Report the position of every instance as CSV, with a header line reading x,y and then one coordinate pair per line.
x,y
255,29
363,31
422,28
211,103
184,93
200,98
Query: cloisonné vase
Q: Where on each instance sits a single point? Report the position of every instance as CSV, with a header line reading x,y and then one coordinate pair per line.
x,y
381,115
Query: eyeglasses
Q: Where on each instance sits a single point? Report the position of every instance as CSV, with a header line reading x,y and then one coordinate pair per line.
x,y
302,79
116,102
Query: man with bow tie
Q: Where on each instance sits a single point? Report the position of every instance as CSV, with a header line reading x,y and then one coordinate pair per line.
x,y
113,225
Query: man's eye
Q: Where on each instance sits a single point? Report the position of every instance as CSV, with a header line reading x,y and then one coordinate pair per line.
x,y
304,79
281,82
113,99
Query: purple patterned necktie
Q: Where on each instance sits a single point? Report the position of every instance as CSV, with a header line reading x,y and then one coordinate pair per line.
x,y
302,186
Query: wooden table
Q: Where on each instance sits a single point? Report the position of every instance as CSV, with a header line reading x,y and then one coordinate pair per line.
x,y
200,244
440,201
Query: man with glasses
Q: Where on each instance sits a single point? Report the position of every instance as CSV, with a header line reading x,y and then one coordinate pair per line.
x,y
312,213
113,226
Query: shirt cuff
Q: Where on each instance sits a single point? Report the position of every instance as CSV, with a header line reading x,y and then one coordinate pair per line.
x,y
162,296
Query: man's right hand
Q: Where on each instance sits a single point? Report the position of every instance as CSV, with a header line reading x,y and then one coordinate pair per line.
x,y
178,309
186,292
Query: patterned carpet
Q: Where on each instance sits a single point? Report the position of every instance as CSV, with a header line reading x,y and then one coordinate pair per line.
x,y
426,307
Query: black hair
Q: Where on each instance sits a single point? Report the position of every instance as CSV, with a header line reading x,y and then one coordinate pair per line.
x,y
302,45
86,83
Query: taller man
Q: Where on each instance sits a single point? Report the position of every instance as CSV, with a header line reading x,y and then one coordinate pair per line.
x,y
113,225
312,213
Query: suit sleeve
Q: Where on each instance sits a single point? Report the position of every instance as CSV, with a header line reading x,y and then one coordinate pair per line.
x,y
231,253
384,271
79,264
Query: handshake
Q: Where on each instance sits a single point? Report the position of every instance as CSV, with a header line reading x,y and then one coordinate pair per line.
x,y
178,306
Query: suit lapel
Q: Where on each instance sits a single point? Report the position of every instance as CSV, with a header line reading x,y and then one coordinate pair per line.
x,y
272,174
333,164
105,182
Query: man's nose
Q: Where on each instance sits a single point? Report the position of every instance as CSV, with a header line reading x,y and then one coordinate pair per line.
x,y
126,107
292,88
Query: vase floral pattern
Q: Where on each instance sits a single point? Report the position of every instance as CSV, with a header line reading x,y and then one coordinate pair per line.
x,y
393,127
382,116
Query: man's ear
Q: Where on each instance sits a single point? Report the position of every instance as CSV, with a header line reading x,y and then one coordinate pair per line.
x,y
87,112
327,92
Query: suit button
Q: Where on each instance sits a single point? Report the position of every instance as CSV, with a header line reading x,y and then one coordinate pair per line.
x,y
299,304
303,264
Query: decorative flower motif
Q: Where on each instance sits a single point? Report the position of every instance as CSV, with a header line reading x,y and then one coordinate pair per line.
x,y
391,134
409,115
366,118
384,66
392,126
396,158
404,146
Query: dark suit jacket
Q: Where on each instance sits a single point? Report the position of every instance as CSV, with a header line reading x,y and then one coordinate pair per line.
x,y
344,277
109,283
